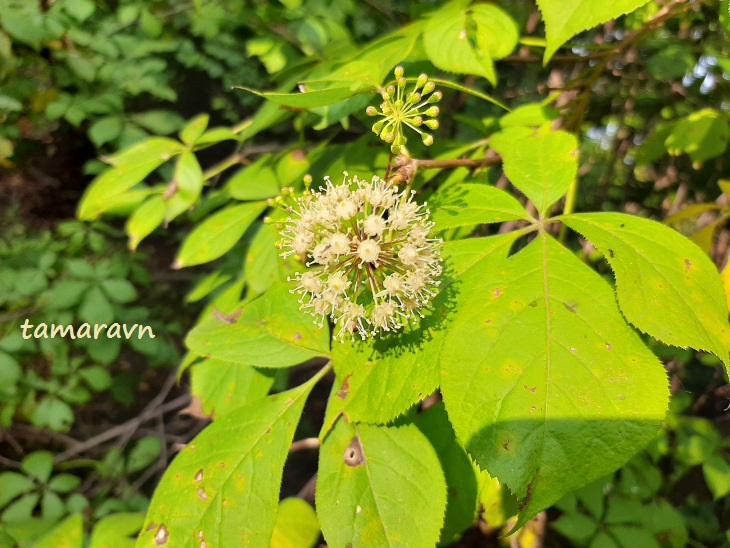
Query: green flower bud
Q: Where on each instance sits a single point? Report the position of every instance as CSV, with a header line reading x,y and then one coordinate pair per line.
x,y
384,94
417,121
436,97
427,139
422,79
432,124
378,126
428,88
371,111
401,83
307,181
413,97
395,149
398,72
390,90
389,137
432,111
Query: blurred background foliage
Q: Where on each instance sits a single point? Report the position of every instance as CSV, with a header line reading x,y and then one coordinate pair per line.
x,y
649,96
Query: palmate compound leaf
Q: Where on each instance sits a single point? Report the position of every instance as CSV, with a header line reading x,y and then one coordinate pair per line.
x,y
565,20
545,384
271,331
379,486
223,488
666,286
378,381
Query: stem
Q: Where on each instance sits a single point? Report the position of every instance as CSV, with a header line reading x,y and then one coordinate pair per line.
x,y
456,162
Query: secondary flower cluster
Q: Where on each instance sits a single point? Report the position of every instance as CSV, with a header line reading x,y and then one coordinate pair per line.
x,y
400,108
375,265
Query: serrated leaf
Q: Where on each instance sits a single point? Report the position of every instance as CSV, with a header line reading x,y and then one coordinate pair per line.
x,y
187,182
541,164
545,384
368,475
666,286
271,331
119,290
307,99
224,386
67,534
562,21
116,530
217,234
194,129
145,219
296,525
401,369
223,488
467,40
472,204
129,168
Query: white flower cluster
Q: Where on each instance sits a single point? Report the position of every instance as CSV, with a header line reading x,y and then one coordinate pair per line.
x,y
375,265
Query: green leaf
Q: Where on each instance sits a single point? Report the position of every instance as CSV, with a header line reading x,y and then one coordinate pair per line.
x,y
223,488
545,384
368,476
541,164
64,483
461,474
130,167
39,465
562,21
119,290
186,184
472,204
96,308
467,40
80,10
116,531
223,386
254,182
194,129
67,534
144,452
53,413
13,484
160,122
207,285
703,135
308,99
717,476
217,234
666,286
296,525
96,377
145,219
271,331
216,135
263,266
65,293
105,130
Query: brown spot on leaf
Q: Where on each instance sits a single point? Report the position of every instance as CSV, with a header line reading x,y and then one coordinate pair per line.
x,y
527,498
687,265
202,494
488,321
533,304
268,432
611,253
342,392
571,306
608,346
497,292
199,475
533,389
297,336
161,535
227,318
354,455
152,526
505,446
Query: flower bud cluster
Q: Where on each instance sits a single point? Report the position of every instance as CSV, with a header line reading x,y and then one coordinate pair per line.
x,y
400,108
374,264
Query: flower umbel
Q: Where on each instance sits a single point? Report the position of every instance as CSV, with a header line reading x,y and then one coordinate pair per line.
x,y
375,267
400,108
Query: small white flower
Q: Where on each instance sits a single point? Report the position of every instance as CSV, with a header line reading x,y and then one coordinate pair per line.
x,y
374,265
